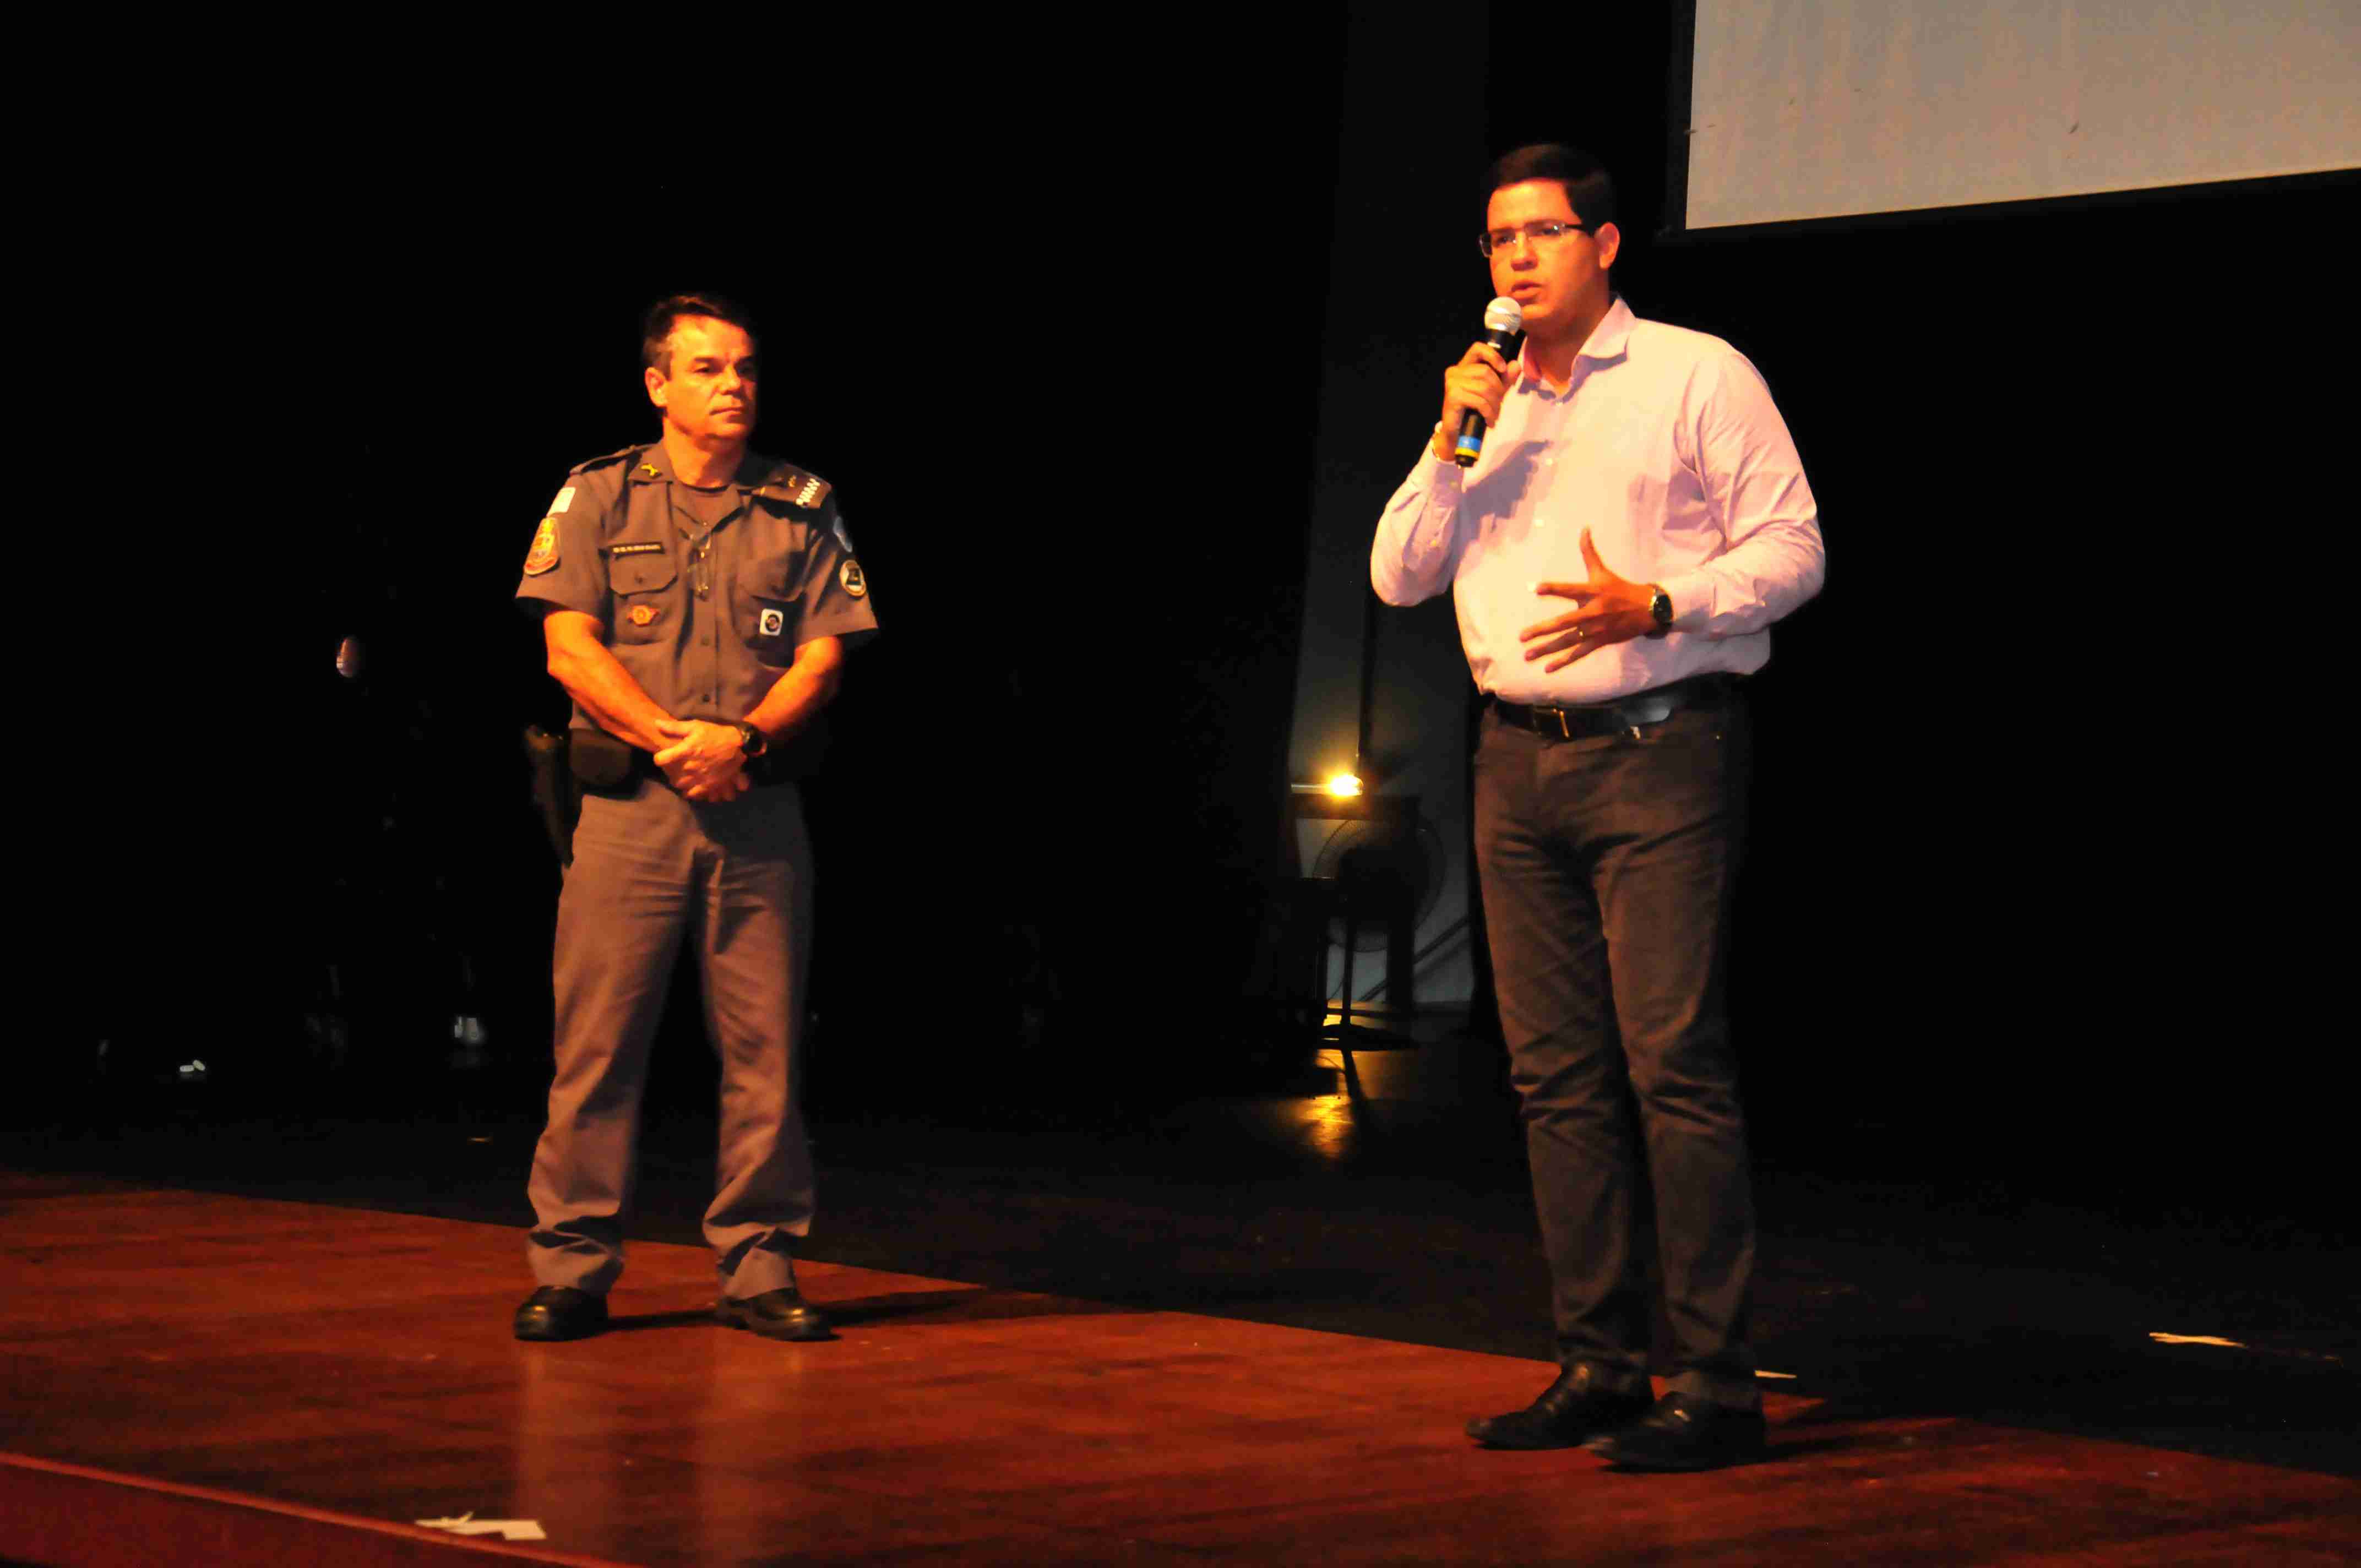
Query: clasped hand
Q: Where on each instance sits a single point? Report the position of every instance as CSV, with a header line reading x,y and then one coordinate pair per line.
x,y
1612,609
705,762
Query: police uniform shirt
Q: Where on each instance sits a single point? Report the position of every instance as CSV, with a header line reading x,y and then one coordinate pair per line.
x,y
705,619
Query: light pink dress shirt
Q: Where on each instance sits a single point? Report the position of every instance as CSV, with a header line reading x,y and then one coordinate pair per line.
x,y
1667,448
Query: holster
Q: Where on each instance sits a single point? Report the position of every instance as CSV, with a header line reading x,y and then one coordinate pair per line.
x,y
555,795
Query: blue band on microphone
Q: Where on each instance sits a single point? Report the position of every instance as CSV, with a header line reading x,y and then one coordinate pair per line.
x,y
1469,445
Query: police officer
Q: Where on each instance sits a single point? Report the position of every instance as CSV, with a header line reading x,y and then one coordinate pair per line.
x,y
696,600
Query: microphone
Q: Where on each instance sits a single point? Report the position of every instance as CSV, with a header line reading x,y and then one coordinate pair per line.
x,y
1503,319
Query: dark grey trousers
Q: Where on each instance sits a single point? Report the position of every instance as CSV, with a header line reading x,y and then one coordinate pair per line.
x,y
734,878
1607,865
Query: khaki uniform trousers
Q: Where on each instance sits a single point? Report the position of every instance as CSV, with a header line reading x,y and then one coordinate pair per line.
x,y
734,878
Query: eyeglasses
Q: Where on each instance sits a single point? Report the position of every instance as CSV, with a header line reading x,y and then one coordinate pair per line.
x,y
1551,229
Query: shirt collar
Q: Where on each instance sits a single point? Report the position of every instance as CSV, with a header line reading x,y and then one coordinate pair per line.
x,y
1606,340
755,471
652,463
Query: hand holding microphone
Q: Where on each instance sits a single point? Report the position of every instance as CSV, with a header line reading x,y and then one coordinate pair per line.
x,y
1472,389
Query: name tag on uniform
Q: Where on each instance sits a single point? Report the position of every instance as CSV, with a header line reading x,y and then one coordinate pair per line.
x,y
773,623
634,549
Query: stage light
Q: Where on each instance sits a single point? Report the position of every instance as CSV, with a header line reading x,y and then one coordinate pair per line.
x,y
1344,786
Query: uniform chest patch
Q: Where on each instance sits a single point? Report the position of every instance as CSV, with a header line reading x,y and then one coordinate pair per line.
x,y
773,623
852,579
543,553
635,549
644,614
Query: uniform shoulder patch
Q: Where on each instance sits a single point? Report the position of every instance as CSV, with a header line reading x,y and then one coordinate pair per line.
x,y
602,462
852,579
793,487
543,553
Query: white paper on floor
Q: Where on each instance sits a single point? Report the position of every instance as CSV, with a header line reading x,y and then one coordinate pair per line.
x,y
507,1530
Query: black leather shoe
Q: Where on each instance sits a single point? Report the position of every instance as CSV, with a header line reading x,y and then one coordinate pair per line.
x,y
775,1314
1569,1413
1684,1433
560,1311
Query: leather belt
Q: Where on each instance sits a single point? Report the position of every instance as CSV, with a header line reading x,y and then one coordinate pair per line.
x,y
1623,713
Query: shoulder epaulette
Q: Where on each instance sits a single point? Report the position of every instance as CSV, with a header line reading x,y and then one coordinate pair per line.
x,y
602,462
792,486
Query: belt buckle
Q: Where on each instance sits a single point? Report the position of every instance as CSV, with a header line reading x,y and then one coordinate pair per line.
x,y
1564,730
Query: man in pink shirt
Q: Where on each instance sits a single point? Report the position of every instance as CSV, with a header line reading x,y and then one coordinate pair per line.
x,y
1637,518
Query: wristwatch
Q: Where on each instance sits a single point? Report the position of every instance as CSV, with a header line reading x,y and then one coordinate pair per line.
x,y
750,741
1660,610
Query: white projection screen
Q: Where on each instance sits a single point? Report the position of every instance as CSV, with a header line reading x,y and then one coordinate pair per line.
x,y
1805,109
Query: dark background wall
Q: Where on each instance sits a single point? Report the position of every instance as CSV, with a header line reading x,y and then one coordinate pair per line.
x,y
1382,690
2044,843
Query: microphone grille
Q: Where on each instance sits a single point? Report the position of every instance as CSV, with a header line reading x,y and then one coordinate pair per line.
x,y
1504,314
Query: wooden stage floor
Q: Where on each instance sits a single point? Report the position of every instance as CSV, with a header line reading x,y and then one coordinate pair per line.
x,y
359,1362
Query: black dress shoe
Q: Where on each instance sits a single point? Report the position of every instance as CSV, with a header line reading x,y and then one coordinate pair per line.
x,y
1569,1413
1684,1433
560,1311
775,1314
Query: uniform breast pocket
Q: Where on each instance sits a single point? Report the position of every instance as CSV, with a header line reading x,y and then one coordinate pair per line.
x,y
767,611
642,584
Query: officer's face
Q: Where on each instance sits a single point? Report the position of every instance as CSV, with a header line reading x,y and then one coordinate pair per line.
x,y
1557,281
709,396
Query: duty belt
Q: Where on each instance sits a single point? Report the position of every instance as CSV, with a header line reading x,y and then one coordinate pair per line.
x,y
1623,713
604,764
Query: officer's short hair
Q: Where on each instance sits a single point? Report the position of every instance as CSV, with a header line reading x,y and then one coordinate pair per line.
x,y
1590,189
655,332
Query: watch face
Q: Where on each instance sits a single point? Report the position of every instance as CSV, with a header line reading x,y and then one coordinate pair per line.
x,y
1660,606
